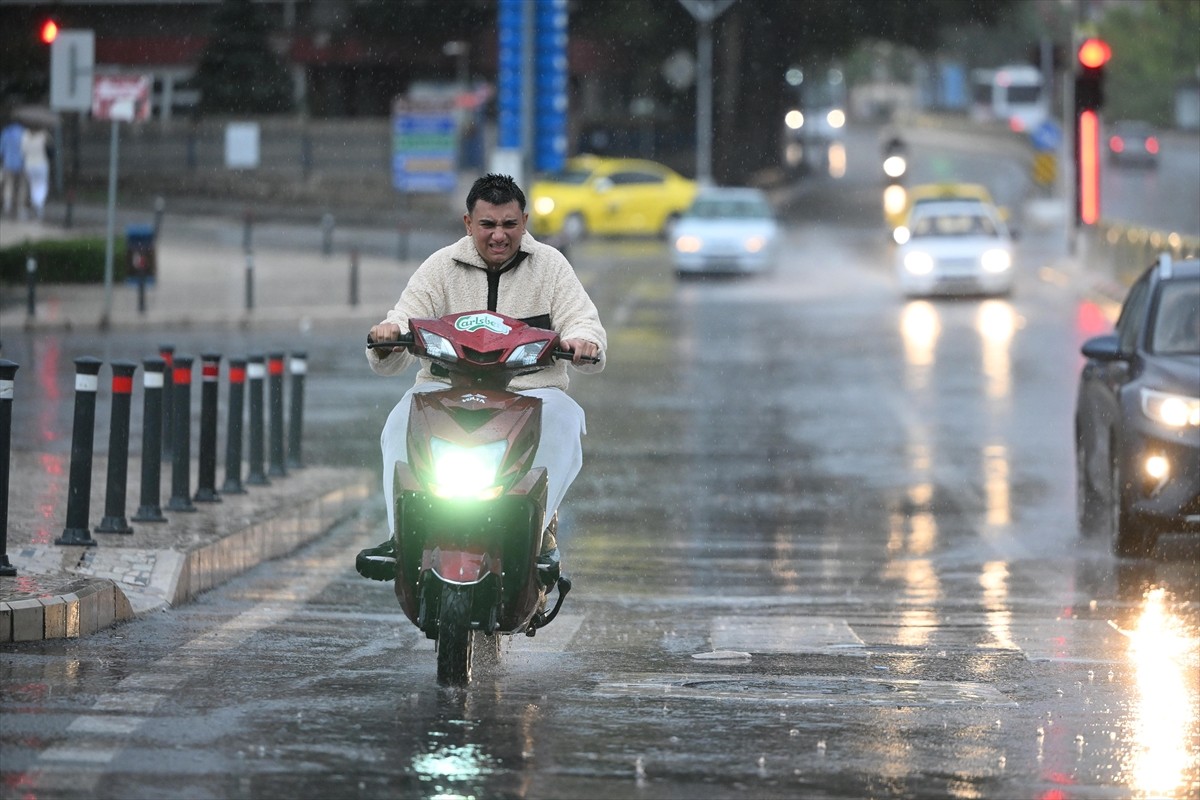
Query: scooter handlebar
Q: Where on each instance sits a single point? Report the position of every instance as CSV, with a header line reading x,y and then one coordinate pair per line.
x,y
567,355
405,341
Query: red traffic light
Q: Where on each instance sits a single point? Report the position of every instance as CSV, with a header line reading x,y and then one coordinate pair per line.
x,y
49,31
1094,53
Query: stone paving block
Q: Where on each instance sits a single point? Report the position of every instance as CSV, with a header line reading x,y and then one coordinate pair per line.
x,y
55,625
121,606
28,620
106,607
71,600
88,609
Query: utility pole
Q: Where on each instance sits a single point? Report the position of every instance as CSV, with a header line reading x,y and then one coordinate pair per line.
x,y
704,12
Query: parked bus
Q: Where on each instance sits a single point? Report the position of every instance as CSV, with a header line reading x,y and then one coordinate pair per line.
x,y
1012,94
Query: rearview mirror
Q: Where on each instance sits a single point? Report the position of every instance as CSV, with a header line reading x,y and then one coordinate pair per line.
x,y
1103,348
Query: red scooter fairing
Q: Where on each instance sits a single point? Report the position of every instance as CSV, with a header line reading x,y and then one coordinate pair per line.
x,y
470,507
495,544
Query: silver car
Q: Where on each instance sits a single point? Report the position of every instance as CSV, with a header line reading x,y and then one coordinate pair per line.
x,y
726,230
954,247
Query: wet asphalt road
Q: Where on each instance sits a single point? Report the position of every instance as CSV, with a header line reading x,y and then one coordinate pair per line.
x,y
823,546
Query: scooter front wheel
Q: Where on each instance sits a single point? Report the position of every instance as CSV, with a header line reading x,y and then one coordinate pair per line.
x,y
455,637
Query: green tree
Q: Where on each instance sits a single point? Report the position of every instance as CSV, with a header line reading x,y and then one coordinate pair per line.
x,y
1154,49
238,72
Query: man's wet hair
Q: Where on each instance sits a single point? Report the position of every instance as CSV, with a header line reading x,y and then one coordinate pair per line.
x,y
495,189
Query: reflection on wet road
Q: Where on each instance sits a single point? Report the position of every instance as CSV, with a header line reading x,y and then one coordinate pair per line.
x,y
823,544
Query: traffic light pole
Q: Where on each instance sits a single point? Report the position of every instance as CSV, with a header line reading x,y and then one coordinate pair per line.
x,y
1091,57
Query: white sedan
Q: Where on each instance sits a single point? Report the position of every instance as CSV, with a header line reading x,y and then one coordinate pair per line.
x,y
954,247
726,229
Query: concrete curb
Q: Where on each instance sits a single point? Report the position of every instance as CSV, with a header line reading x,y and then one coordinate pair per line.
x,y
69,592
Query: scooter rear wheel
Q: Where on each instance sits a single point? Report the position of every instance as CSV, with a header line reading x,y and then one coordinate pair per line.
x,y
455,637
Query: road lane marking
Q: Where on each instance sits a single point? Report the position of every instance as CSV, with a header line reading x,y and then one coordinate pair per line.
x,y
786,634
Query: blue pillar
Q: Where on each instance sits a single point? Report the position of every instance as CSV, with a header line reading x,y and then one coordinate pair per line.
x,y
550,121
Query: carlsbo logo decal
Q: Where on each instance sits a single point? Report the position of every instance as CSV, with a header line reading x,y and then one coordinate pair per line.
x,y
474,322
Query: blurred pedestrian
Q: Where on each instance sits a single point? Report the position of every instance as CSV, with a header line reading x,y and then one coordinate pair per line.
x,y
35,149
12,166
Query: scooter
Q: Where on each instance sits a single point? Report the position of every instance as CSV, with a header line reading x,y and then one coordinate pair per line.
x,y
469,505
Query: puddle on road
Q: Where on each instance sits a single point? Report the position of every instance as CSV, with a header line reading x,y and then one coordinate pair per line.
x,y
844,691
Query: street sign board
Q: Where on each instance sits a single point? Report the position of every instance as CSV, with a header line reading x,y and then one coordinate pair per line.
x,y
72,56
124,98
1046,137
424,149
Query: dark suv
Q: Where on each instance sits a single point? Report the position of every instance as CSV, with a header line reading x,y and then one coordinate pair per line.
x,y
1137,416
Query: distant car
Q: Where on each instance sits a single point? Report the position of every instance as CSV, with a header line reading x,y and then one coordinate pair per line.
x,y
609,196
955,247
726,229
1137,415
898,202
1134,143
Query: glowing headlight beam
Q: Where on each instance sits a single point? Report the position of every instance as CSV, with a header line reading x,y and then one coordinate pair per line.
x,y
466,472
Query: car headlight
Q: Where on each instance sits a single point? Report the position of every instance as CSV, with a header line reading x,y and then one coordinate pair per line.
x,y
466,472
995,260
526,355
901,235
754,243
543,205
438,346
689,244
894,166
918,262
1172,410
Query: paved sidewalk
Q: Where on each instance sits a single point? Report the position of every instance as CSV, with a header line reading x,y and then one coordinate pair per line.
x,y
70,591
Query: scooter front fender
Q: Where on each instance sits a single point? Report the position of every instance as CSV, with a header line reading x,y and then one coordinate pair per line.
x,y
459,566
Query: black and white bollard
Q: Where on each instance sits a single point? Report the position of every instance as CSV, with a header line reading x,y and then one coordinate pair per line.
x,y
79,486
149,510
233,427
298,367
114,520
181,425
256,372
8,371
167,352
210,371
275,377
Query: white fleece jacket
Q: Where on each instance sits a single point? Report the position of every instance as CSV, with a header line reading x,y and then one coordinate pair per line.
x,y
455,279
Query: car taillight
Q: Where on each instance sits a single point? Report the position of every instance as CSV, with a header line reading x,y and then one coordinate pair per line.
x,y
1116,144
1151,145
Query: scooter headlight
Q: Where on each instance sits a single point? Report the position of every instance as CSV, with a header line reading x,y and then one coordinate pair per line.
x,y
526,355
438,346
466,472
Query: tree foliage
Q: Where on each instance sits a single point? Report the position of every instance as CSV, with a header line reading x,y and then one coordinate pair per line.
x,y
1154,51
238,72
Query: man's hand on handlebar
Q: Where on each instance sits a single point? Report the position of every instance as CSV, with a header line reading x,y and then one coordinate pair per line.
x,y
385,332
581,348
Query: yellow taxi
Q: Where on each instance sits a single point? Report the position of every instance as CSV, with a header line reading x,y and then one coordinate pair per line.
x,y
608,196
898,201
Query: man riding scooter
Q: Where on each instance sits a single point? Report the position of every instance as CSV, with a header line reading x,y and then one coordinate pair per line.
x,y
499,266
